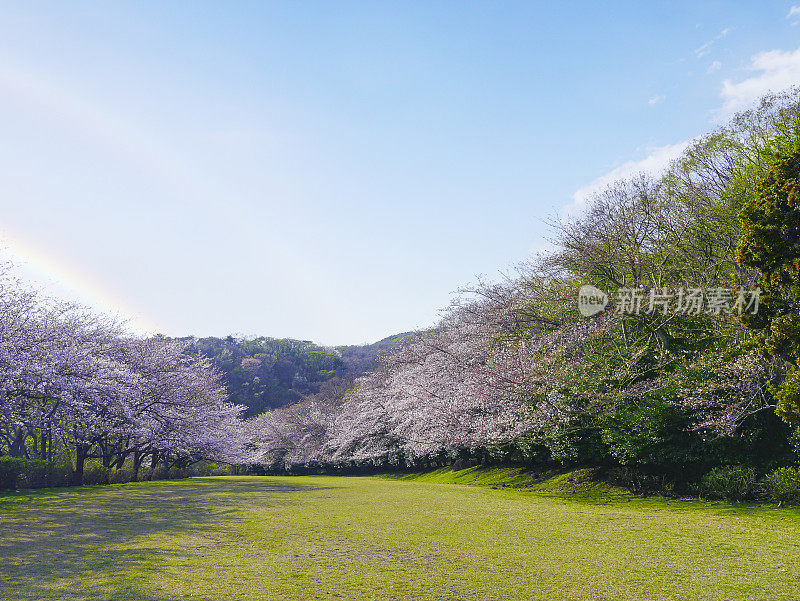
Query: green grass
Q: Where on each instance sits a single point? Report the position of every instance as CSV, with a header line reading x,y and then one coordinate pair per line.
x,y
377,538
577,484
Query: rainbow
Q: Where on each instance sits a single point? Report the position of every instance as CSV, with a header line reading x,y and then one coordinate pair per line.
x,y
34,262
56,278
35,91
38,92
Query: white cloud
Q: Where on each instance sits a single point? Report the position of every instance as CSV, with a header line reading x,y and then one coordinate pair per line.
x,y
793,12
775,70
656,99
706,48
657,160
703,50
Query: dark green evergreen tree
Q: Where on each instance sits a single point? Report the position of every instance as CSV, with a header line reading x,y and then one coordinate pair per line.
x,y
770,243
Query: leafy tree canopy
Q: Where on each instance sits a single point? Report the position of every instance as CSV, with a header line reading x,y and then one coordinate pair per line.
x,y
770,243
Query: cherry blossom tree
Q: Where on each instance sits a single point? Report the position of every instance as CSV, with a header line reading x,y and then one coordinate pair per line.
x,y
73,380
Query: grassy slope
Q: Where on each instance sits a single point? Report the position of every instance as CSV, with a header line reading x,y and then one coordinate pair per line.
x,y
577,484
372,538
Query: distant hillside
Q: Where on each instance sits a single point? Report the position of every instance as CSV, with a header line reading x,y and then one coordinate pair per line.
x,y
267,373
359,359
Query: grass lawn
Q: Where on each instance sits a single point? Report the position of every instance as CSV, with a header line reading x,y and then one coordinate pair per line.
x,y
376,538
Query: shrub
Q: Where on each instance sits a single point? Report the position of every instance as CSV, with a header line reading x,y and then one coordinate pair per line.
x,y
59,475
96,474
783,485
159,473
730,482
32,473
35,474
640,481
207,468
579,444
652,434
145,474
10,470
176,473
245,470
121,476
41,474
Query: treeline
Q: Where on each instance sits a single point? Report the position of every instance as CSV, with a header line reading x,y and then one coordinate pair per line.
x,y
267,373
75,388
681,391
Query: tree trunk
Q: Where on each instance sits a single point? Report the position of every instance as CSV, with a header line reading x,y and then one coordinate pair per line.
x,y
44,435
154,460
17,448
119,460
137,462
80,461
105,453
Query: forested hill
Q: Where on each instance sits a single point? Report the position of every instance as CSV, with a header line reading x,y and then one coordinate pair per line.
x,y
267,373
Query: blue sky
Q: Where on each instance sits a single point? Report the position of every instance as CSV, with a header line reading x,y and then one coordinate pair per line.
x,y
334,171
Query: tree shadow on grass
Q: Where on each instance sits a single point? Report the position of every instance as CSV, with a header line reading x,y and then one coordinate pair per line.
x,y
80,544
